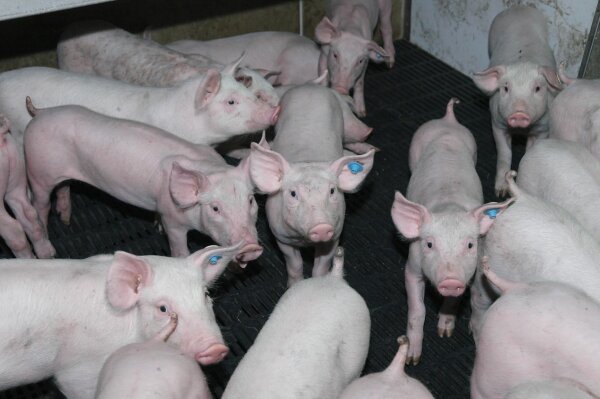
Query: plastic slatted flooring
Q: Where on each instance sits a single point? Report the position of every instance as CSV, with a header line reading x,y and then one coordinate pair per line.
x,y
398,101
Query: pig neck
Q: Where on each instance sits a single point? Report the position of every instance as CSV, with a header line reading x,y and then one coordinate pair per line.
x,y
354,19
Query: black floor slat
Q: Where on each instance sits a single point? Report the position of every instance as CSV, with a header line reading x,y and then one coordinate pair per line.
x,y
417,89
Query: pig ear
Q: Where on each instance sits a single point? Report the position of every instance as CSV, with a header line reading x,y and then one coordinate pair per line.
x,y
486,214
231,68
208,88
321,79
409,217
127,275
376,52
267,169
213,260
185,186
326,31
551,77
487,80
351,170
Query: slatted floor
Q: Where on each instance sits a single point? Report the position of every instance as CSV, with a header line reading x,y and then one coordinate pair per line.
x,y
417,89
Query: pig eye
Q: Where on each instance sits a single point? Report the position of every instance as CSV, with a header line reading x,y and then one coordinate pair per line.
x,y
429,244
163,309
470,245
537,88
335,55
506,89
206,294
332,191
231,102
293,193
215,208
251,200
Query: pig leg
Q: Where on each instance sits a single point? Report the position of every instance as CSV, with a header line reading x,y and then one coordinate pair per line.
x,y
504,153
359,95
481,300
293,263
447,316
385,27
13,234
79,382
359,148
177,235
415,291
323,256
63,203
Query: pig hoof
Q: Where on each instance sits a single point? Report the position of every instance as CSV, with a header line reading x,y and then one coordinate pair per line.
x,y
445,332
413,360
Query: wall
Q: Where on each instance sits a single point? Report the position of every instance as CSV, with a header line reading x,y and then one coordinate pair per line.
x,y
456,31
32,40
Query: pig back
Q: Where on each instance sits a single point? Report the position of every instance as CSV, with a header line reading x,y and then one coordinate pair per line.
x,y
519,34
310,127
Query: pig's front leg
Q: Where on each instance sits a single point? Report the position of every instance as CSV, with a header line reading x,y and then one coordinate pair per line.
x,y
481,300
385,27
504,153
447,316
177,235
14,236
63,203
359,95
323,255
415,290
293,263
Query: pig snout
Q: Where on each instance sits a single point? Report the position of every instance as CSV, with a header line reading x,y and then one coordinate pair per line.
x,y
247,253
213,354
451,287
321,232
519,119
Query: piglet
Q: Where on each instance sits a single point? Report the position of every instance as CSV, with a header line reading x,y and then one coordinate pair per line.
x,y
566,174
391,383
306,176
535,240
521,81
558,325
190,186
100,48
443,216
13,190
64,318
346,47
152,370
574,114
314,343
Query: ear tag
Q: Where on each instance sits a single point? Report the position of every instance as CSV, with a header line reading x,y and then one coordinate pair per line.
x,y
492,213
355,167
378,56
214,259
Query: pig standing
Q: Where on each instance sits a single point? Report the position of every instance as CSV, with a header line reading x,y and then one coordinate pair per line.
x,y
444,218
521,81
306,175
13,190
535,240
100,48
574,114
205,110
314,343
81,311
152,370
560,337
391,383
345,35
566,174
190,186
294,57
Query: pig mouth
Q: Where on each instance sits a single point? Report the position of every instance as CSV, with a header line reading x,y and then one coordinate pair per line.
x,y
451,287
248,253
519,120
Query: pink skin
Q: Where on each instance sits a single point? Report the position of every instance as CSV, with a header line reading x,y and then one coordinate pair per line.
x,y
191,187
444,229
521,81
129,299
13,189
345,35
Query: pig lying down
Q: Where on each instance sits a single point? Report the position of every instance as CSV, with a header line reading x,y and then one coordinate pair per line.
x,y
521,81
13,190
84,310
314,343
306,176
152,370
205,110
100,48
443,216
560,337
190,186
391,383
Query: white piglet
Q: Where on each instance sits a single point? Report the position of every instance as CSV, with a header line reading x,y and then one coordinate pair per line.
x,y
314,343
84,310
521,81
443,216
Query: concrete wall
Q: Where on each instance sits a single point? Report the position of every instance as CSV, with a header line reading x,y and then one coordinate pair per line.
x,y
456,31
32,40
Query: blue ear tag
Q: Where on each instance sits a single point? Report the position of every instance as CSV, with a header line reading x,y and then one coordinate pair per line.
x,y
492,213
214,259
355,167
378,56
